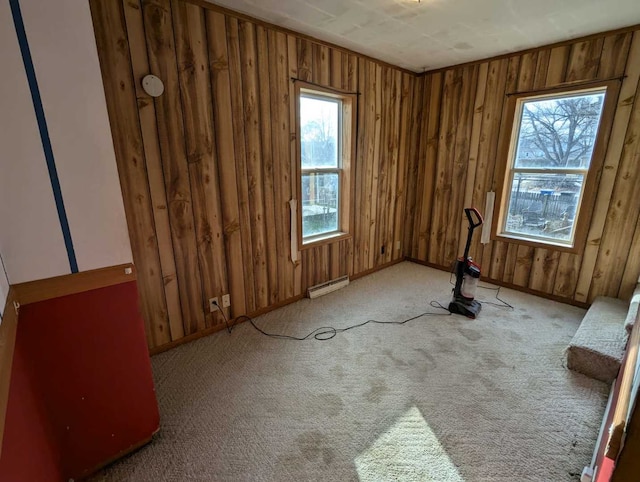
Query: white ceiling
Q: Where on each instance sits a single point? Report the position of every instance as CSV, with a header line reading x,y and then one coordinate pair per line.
x,y
439,33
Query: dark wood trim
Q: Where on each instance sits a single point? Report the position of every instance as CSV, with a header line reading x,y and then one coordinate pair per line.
x,y
617,31
511,286
8,330
69,284
243,16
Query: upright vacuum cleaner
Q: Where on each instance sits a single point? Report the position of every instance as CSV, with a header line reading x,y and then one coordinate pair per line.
x,y
467,274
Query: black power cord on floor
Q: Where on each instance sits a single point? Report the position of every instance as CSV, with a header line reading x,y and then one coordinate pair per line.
x,y
328,332
502,304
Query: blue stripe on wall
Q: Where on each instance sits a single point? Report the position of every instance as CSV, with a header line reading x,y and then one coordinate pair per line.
x,y
44,131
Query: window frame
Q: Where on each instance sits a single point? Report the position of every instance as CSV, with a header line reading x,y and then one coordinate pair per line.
x,y
346,161
508,146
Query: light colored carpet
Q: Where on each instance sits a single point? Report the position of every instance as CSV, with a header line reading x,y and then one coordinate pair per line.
x,y
442,398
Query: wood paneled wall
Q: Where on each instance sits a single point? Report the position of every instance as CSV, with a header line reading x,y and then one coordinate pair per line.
x,y
461,128
207,169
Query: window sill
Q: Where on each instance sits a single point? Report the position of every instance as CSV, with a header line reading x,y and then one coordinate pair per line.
x,y
322,240
515,239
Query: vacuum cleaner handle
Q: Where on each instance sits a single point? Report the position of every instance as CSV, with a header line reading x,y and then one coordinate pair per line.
x,y
476,214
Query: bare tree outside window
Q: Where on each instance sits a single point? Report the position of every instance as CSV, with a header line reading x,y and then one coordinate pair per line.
x,y
562,131
555,138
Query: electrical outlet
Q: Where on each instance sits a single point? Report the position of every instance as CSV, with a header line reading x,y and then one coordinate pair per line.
x,y
397,245
213,304
226,301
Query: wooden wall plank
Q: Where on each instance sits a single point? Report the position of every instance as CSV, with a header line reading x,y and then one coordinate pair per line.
x,y
528,71
268,163
197,110
162,59
375,92
615,52
567,275
280,104
305,60
393,143
404,156
428,158
321,65
461,165
610,171
360,170
584,59
378,169
294,73
542,68
451,93
335,71
500,249
413,165
383,169
223,119
556,71
487,127
623,209
474,141
543,270
632,268
151,145
522,269
239,140
115,63
498,75
254,161
352,73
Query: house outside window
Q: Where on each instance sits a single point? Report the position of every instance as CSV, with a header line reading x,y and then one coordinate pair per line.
x,y
551,165
325,151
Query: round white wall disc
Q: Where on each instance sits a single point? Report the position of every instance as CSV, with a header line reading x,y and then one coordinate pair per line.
x,y
152,85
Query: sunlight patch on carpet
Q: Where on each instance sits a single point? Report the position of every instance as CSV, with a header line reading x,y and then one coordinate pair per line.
x,y
409,450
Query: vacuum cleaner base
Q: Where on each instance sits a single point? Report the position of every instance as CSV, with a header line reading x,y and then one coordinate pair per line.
x,y
470,309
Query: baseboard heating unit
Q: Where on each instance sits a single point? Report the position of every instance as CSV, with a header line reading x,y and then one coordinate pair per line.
x,y
328,287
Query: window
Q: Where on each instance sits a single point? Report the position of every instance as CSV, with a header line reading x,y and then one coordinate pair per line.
x,y
325,149
551,164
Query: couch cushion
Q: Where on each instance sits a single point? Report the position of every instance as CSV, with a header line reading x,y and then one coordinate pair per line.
x,y
597,348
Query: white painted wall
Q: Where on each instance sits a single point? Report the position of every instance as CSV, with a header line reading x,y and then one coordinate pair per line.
x,y
62,43
30,236
64,53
